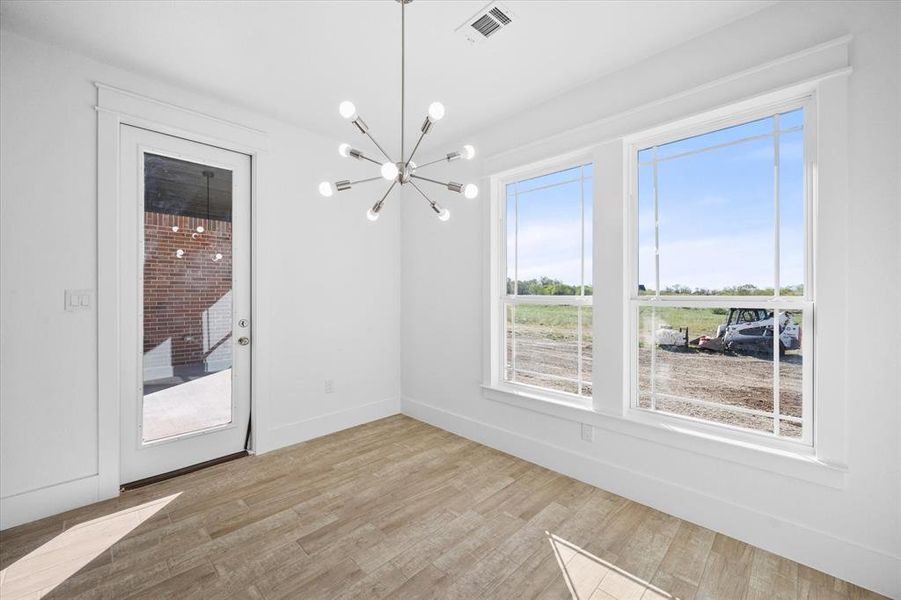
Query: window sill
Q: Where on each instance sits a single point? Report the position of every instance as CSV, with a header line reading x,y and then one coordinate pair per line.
x,y
797,463
527,394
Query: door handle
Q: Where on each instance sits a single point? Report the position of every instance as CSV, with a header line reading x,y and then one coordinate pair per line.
x,y
243,340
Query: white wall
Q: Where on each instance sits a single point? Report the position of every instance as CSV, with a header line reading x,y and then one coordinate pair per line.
x,y
319,257
854,531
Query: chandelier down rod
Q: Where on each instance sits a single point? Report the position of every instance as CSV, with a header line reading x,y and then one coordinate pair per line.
x,y
402,172
403,76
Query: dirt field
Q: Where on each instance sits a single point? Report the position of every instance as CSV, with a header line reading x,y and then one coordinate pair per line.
x,y
552,364
733,380
547,347
547,355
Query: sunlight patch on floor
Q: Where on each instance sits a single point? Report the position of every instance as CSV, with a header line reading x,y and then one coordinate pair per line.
x,y
37,573
589,577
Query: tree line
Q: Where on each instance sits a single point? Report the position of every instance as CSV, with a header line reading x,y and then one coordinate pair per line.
x,y
547,286
745,289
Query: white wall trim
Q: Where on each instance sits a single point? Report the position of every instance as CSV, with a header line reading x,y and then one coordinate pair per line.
x,y
846,559
52,499
308,429
134,109
788,459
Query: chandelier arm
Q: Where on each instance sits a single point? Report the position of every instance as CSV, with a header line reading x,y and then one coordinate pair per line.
x,y
435,206
421,193
415,148
367,180
438,160
441,183
372,160
379,146
378,205
431,162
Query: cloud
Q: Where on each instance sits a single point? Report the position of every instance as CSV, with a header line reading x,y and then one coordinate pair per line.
x,y
716,261
552,249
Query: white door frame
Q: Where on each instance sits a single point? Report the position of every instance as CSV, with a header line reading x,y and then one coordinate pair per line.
x,y
116,107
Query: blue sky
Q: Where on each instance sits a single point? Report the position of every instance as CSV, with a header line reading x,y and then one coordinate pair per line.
x,y
715,209
551,227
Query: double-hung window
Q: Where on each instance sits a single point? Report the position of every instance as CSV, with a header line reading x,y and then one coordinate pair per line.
x,y
721,297
545,286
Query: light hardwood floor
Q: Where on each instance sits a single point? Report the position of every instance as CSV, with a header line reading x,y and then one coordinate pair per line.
x,y
394,508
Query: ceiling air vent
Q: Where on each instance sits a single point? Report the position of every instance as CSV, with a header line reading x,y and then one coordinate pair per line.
x,y
485,23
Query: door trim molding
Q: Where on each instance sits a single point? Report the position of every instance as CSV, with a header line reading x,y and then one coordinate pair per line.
x,y
116,107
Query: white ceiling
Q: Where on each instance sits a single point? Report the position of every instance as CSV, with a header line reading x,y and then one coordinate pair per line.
x,y
297,60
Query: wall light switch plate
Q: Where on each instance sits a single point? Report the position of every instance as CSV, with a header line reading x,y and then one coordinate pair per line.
x,y
329,386
587,432
79,300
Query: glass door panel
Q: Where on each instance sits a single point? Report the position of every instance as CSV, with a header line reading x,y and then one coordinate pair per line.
x,y
187,298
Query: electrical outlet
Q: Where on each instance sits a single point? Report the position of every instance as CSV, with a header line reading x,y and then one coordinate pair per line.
x,y
587,432
329,386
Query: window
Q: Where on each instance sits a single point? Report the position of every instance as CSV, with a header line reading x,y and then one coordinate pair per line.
x,y
720,299
545,265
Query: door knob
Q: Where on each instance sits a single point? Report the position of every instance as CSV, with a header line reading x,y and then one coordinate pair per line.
x,y
243,340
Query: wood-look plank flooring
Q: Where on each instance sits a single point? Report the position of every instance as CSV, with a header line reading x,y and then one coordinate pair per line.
x,y
394,509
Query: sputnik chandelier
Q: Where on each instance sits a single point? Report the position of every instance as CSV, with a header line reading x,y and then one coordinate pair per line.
x,y
404,171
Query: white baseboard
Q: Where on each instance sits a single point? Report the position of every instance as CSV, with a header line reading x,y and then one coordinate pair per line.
x,y
54,499
847,560
46,501
301,431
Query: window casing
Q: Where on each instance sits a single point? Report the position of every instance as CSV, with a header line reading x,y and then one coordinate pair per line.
x,y
739,377
821,455
543,343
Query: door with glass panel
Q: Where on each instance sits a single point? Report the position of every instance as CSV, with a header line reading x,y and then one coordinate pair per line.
x,y
185,302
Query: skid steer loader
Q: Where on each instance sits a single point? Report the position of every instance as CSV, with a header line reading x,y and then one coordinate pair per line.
x,y
751,330
746,330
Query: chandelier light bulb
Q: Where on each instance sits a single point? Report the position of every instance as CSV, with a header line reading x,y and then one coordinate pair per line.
x,y
344,150
444,215
372,215
436,111
347,110
175,229
179,253
470,191
389,171
325,188
468,152
200,229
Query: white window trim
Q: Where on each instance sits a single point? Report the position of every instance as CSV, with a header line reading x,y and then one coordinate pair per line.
x,y
826,462
498,294
802,304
